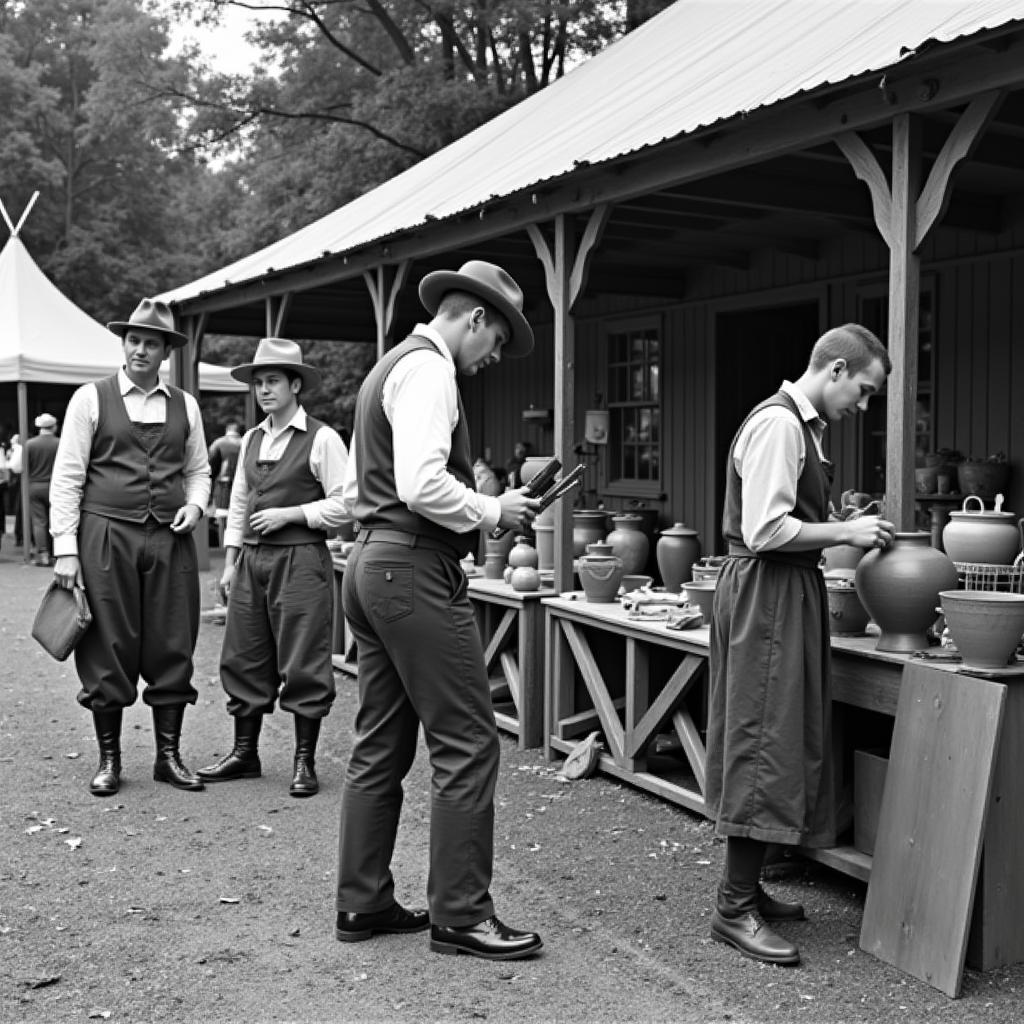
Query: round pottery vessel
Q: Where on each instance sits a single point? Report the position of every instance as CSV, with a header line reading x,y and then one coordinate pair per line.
x,y
677,549
899,586
634,581
982,535
629,542
985,479
847,615
986,625
842,556
523,553
525,578
532,465
600,575
702,595
588,525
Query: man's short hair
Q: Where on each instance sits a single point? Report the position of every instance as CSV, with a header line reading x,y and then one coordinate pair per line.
x,y
853,343
456,304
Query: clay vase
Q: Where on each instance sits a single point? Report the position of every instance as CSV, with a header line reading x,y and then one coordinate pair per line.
x,y
842,556
531,466
496,556
525,578
982,535
677,549
600,575
900,588
544,533
523,554
629,542
986,625
588,525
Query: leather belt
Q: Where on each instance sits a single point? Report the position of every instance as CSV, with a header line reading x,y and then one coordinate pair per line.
x,y
409,540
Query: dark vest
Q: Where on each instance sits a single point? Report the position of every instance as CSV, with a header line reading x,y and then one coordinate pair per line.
x,y
812,491
378,504
288,481
39,454
135,469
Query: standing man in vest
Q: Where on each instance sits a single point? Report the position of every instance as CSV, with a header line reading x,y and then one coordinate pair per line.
x,y
278,574
39,454
769,777
410,486
223,459
130,483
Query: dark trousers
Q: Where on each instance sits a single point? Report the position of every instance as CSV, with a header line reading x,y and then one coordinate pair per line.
x,y
39,509
420,663
142,583
278,632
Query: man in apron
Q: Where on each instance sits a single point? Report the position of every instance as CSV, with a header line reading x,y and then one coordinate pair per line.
x,y
769,772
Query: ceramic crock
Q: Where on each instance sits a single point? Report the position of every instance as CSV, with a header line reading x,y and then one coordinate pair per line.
x,y
982,535
629,542
900,588
588,525
600,575
986,625
523,553
677,549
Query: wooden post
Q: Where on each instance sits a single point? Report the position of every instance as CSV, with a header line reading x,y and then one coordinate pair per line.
x,y
26,511
384,284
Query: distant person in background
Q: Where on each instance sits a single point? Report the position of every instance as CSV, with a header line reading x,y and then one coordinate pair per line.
x,y
5,476
223,459
14,466
514,466
130,484
39,454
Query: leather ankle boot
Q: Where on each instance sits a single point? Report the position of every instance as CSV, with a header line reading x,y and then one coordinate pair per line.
x,y
243,762
168,767
304,781
107,779
738,923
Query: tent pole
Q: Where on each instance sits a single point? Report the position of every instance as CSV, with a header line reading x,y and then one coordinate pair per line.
x,y
26,511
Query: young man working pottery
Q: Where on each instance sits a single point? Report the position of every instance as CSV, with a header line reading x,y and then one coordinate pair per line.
x,y
769,775
278,575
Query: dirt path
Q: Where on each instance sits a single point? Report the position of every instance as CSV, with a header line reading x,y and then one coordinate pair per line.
x,y
160,906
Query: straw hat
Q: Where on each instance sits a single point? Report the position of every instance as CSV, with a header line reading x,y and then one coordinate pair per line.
x,y
153,315
490,283
281,354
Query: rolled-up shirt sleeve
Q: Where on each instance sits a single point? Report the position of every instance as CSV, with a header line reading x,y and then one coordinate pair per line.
x,y
328,460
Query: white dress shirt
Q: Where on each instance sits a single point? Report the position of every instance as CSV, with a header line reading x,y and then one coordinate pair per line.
x,y
79,428
769,456
327,461
420,400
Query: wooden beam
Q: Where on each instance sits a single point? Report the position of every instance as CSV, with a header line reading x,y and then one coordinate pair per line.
x,y
384,283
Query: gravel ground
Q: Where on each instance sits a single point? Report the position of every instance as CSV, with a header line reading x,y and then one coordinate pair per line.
x,y
159,905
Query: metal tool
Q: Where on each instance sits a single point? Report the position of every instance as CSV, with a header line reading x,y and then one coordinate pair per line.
x,y
555,489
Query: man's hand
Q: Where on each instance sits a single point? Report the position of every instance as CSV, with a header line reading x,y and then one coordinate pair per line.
x,y
517,510
185,519
870,532
67,571
270,519
227,577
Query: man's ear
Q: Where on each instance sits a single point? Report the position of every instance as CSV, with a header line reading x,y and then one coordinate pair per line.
x,y
838,365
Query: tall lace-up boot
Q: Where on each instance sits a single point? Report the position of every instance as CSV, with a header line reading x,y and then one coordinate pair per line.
x,y
243,762
304,781
107,779
168,767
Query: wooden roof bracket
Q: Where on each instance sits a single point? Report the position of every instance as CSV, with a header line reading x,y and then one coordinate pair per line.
x,y
384,282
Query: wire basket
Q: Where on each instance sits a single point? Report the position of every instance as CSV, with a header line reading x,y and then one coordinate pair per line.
x,y
983,576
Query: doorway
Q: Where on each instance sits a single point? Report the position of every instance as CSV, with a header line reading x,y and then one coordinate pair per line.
x,y
755,350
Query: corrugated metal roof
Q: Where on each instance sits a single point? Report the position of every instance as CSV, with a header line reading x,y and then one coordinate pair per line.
x,y
696,63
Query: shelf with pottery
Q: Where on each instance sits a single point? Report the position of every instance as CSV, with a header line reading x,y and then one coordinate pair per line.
x,y
511,626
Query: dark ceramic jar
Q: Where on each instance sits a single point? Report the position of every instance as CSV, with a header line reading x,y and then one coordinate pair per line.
x,y
629,542
677,549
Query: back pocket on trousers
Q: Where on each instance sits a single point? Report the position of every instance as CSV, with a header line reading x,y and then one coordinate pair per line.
x,y
388,590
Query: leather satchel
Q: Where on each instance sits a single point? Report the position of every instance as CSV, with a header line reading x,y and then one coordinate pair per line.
x,y
61,621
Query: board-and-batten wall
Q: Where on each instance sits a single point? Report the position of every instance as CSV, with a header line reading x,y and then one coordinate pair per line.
x,y
978,288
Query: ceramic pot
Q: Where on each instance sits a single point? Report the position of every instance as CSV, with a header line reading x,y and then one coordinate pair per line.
x,y
702,595
525,578
900,587
600,576
634,581
842,556
588,525
496,556
532,465
629,542
986,625
985,479
847,615
677,549
982,535
523,553
544,534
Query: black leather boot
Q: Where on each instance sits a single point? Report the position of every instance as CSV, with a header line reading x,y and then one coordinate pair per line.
x,y
304,781
107,779
168,767
244,760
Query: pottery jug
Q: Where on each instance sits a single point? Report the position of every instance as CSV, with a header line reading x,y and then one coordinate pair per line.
x,y
600,575
677,549
900,587
982,535
629,542
496,556
588,525
523,553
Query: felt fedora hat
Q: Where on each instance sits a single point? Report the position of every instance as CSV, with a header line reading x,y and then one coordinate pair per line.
x,y
281,354
492,284
154,315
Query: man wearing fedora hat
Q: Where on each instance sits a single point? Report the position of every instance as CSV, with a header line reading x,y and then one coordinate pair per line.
x,y
130,482
278,575
38,456
410,486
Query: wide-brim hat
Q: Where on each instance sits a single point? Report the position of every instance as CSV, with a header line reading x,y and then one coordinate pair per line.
x,y
490,283
154,315
45,421
278,353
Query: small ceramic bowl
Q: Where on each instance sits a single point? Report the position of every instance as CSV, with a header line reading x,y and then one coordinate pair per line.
x,y
702,594
633,581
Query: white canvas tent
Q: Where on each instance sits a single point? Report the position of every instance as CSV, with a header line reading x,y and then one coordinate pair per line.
x,y
46,339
